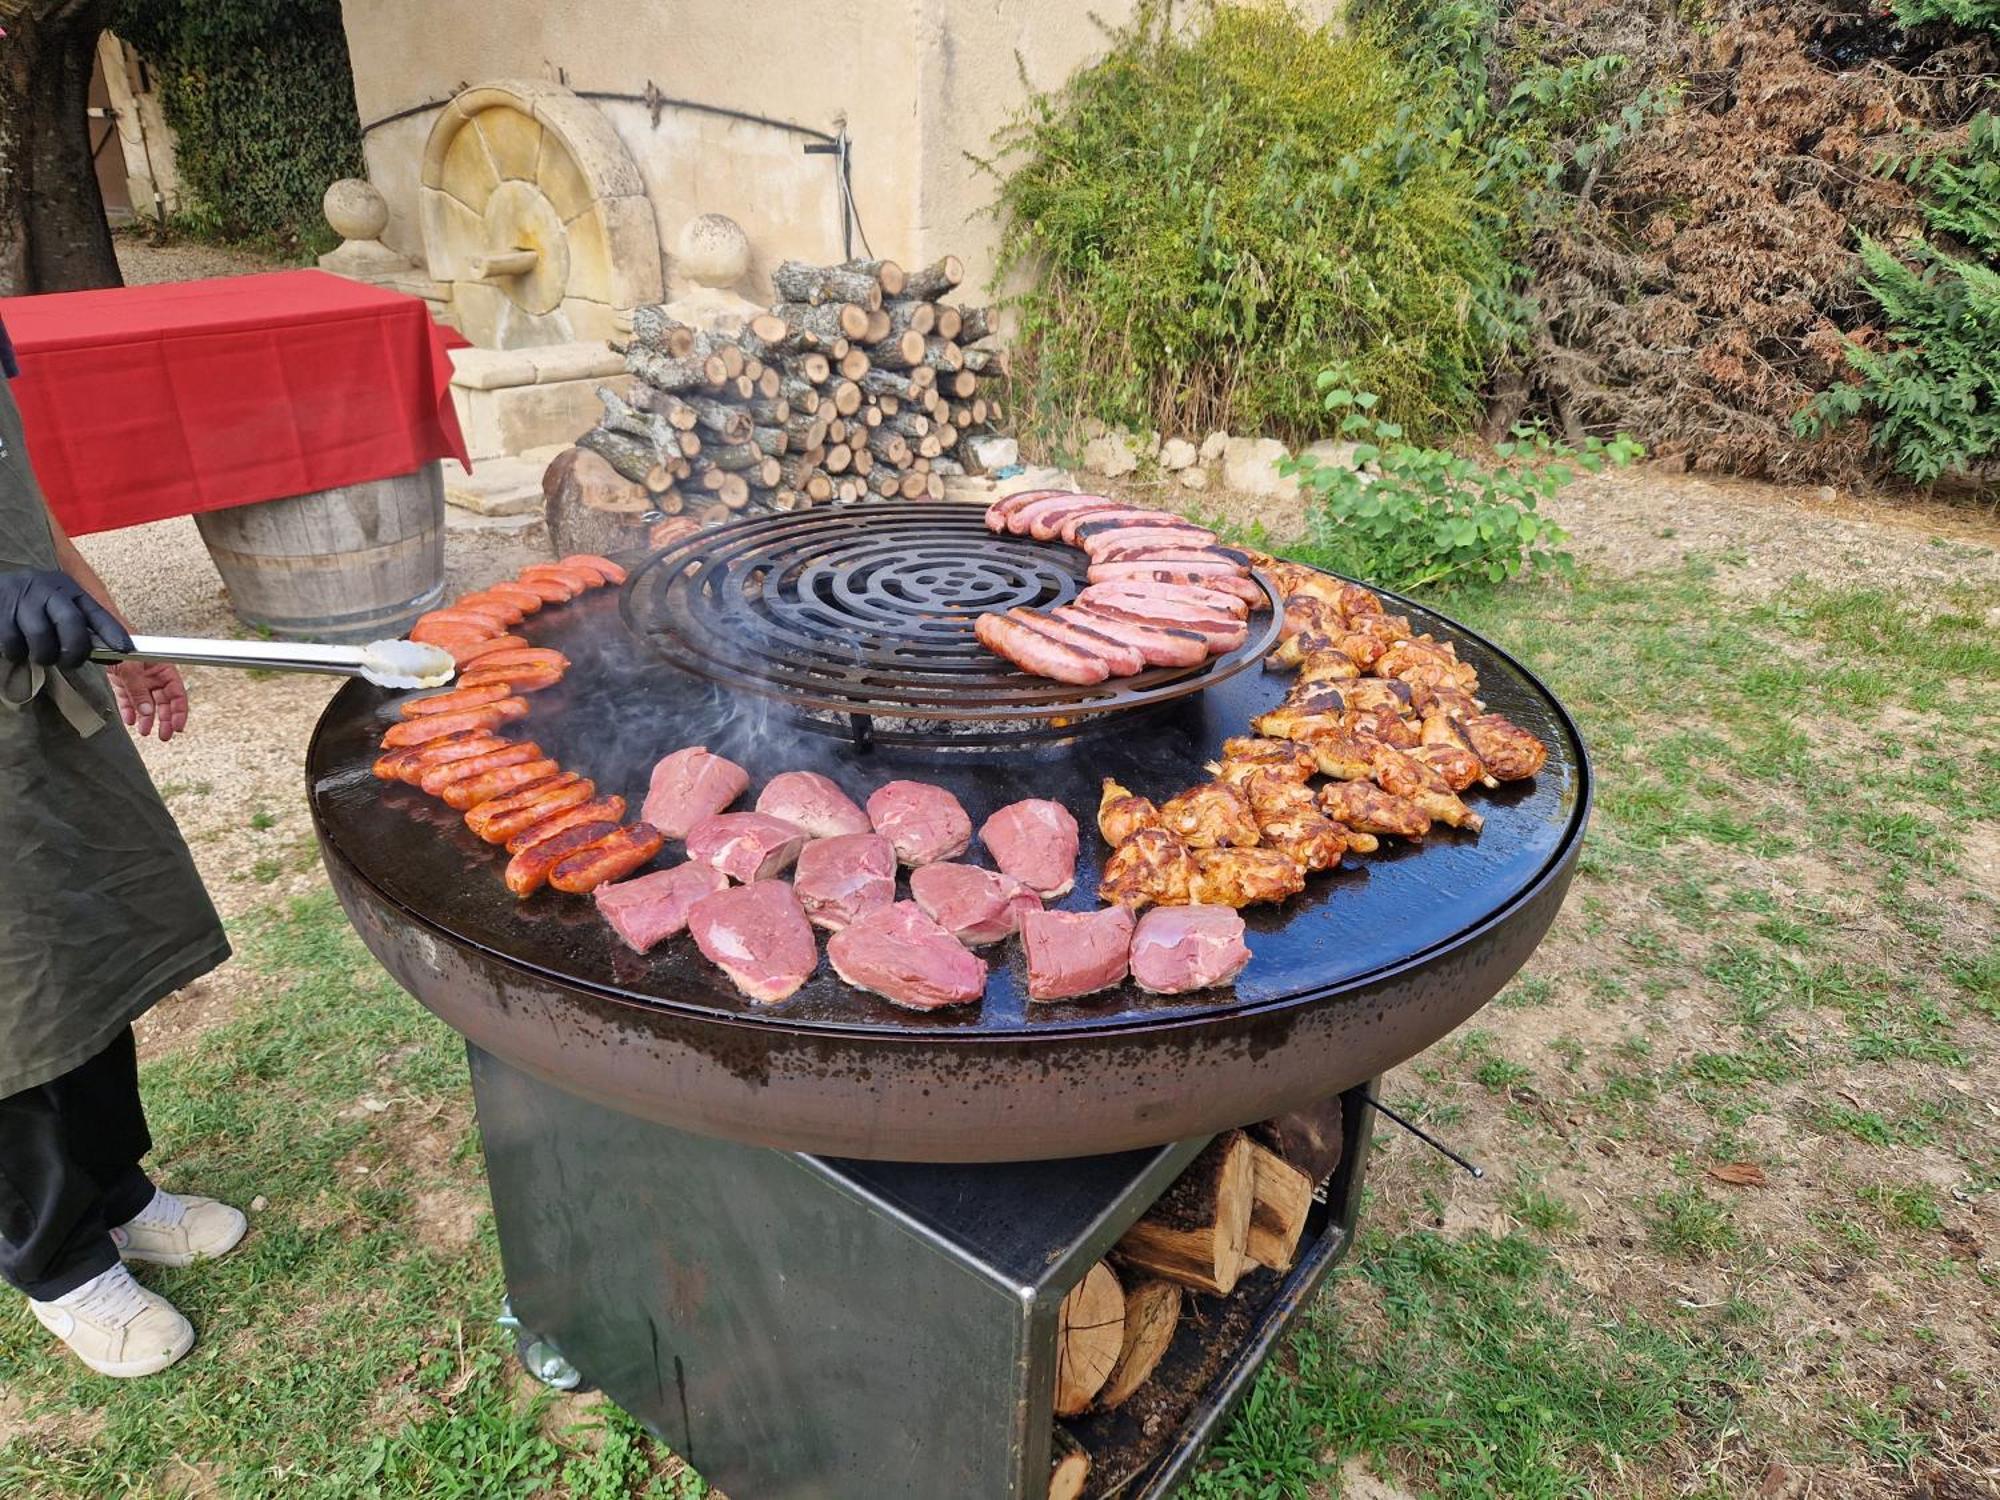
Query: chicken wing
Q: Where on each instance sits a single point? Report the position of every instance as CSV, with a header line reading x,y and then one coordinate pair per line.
x,y
1120,813
1151,866
1506,749
1390,728
1459,767
1403,775
1294,724
1344,757
1245,877
1305,614
1243,755
1318,698
1291,822
1294,650
1431,662
1366,808
1327,665
1210,816
1379,695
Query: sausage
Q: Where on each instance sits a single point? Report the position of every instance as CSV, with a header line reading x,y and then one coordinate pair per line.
x,y
474,650
604,567
437,726
473,791
389,765
454,618
447,752
1124,660
1176,600
998,512
612,857
581,579
435,779
1221,579
503,612
462,696
548,590
529,869
1160,645
515,679
1044,655
1021,519
523,656
448,635
526,600
601,809
499,820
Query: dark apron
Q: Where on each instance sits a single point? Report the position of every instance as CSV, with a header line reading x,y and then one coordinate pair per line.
x,y
101,912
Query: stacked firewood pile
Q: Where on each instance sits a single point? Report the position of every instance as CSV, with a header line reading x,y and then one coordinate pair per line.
x,y
1141,1335
862,384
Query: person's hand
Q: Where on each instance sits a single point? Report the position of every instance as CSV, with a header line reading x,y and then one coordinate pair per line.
x,y
47,617
152,699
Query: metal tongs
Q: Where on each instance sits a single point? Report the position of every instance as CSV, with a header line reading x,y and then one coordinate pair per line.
x,y
389,664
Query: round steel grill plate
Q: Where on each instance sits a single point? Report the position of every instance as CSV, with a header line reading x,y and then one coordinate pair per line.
x,y
868,610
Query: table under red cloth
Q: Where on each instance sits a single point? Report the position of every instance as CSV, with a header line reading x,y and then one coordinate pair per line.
x,y
147,402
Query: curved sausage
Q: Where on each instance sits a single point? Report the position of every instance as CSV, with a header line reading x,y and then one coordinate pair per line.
x,y
529,869
503,612
499,820
448,636
447,752
612,857
438,726
453,618
522,598
549,590
523,679
581,579
463,696
522,656
601,809
604,567
1044,655
435,779
473,651
389,765
475,791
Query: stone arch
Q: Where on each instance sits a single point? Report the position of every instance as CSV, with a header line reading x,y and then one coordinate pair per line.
x,y
535,214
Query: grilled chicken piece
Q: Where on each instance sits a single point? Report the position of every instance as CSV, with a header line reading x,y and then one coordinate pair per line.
x,y
1290,820
1459,704
1459,767
1366,808
1319,697
1245,753
1433,663
1292,651
1297,581
1359,648
1328,665
1287,723
1308,616
1120,813
1357,841
1403,775
1245,877
1151,866
1506,749
1379,695
1210,816
1389,728
1344,757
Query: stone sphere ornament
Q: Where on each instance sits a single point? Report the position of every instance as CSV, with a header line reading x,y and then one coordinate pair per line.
x,y
714,251
355,209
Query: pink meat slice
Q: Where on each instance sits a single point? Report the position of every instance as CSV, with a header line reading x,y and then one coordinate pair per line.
x,y
757,935
902,955
814,802
1150,591
649,909
1123,660
844,877
975,906
1022,522
924,822
1073,953
1035,841
1176,949
1227,589
1047,523
688,786
1100,532
746,846
1161,646
998,512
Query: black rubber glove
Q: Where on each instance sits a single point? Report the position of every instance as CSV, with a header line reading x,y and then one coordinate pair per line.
x,y
48,618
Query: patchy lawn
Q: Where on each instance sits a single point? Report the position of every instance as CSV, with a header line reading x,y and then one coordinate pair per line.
x,y
1740,1116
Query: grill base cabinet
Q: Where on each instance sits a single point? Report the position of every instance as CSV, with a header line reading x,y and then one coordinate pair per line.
x,y
804,1328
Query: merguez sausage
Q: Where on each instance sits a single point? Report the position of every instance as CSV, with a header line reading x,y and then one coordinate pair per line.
x,y
515,679
475,791
475,650
524,599
438,726
528,871
446,752
612,857
581,579
463,696
435,779
604,567
601,810
499,820
453,618
504,612
522,656
550,590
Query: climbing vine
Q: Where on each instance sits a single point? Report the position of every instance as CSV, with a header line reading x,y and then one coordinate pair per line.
x,y
261,99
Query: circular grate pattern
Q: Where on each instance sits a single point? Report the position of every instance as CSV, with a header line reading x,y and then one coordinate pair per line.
x,y
868,611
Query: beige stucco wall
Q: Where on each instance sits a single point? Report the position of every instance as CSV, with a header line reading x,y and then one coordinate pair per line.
x,y
918,83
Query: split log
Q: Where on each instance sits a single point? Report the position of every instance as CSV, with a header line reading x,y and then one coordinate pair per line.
x,y
835,320
889,446
888,275
802,391
814,366
934,280
949,322
632,457
903,352
590,507
1152,1313
796,281
988,362
853,364
1281,1197
904,316
1310,1139
846,397
732,424
1071,1473
763,336
667,373
771,411
1198,1233
1090,1332
654,330
771,440
942,354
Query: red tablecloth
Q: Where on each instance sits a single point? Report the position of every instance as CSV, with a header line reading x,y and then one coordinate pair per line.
x,y
147,402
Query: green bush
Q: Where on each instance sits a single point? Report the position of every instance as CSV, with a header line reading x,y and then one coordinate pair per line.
x,y
261,99
1931,392
1971,15
1410,517
1218,210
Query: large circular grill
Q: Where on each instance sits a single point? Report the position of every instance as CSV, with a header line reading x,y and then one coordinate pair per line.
x,y
1373,963
867,612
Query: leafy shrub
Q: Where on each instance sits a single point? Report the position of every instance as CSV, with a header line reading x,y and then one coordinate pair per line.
x,y
261,99
1430,518
1218,210
1932,393
1971,15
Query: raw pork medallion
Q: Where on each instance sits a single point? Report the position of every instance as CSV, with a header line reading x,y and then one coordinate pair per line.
x,y
1073,953
924,822
758,936
814,802
902,955
1034,841
975,906
746,846
649,909
1176,949
691,785
845,877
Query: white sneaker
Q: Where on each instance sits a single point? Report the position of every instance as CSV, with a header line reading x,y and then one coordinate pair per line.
x,y
116,1326
173,1231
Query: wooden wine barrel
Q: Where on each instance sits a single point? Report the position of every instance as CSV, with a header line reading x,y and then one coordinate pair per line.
x,y
358,563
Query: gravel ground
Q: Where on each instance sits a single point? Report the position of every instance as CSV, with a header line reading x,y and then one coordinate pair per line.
x,y
147,262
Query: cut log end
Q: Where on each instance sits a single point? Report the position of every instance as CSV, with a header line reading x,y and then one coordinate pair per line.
x,y
1072,1469
1281,1198
1090,1334
1198,1233
1152,1313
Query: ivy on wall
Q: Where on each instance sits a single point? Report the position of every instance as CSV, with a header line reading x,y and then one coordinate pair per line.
x,y
261,99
